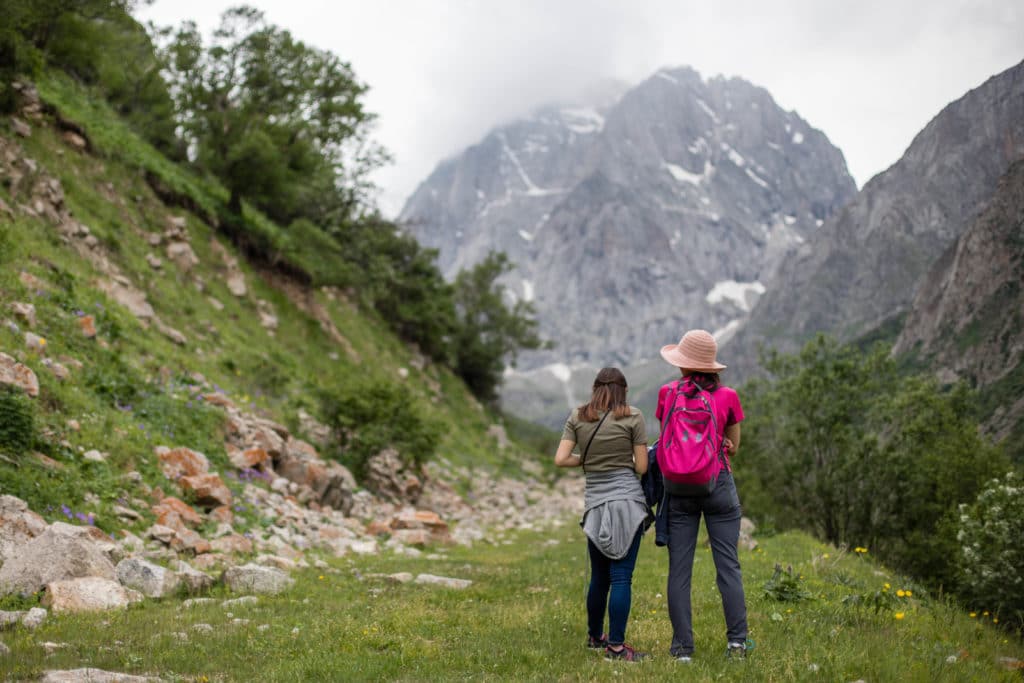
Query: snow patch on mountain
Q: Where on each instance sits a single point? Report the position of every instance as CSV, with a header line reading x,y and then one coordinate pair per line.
x,y
738,293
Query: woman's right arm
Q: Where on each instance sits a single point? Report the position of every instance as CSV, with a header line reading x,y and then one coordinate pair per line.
x,y
564,457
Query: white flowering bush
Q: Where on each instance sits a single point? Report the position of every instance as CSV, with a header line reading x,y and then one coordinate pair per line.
x,y
991,537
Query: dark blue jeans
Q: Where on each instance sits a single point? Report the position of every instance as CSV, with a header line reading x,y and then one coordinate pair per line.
x,y
721,512
611,584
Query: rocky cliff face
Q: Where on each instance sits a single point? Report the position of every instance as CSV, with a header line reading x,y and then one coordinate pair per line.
x,y
967,319
629,221
865,264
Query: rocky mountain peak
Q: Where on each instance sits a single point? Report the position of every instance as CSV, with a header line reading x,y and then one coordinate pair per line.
x,y
665,208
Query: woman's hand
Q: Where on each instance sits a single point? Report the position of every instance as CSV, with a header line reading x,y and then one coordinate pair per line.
x,y
732,439
564,457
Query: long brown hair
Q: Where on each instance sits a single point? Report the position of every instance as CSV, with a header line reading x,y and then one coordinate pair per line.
x,y
609,394
708,381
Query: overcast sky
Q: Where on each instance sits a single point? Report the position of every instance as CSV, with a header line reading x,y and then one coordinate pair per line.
x,y
442,73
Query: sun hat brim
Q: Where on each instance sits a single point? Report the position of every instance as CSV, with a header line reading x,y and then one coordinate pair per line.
x,y
674,356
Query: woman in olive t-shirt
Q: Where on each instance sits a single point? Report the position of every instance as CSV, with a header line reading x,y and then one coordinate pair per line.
x,y
610,438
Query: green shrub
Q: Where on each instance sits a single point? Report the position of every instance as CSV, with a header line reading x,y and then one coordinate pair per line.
x,y
785,586
368,416
991,557
17,421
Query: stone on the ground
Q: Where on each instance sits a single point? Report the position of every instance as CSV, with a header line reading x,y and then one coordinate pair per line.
x,y
244,601
253,578
34,618
154,261
173,512
193,580
196,602
182,255
150,579
208,490
181,462
35,343
236,284
18,526
447,582
87,324
232,543
10,619
17,375
88,594
58,553
20,127
389,477
94,455
74,140
89,675
26,312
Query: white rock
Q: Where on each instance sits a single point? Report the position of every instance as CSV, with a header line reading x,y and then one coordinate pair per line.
x,y
55,555
252,578
34,618
245,600
150,579
431,579
88,594
94,455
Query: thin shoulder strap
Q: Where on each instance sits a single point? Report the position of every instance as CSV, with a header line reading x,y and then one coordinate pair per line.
x,y
583,458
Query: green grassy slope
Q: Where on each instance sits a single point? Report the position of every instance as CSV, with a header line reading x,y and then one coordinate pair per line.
x,y
137,388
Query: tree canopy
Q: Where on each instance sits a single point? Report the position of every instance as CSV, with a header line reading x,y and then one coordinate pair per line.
x,y
280,123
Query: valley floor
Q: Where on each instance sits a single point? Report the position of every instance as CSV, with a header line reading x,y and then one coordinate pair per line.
x,y
523,618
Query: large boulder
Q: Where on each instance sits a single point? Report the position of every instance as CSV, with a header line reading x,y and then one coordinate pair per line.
x,y
252,578
193,580
88,594
55,555
150,579
176,514
18,526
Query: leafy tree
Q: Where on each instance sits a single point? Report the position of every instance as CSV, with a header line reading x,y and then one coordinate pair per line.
x,y
931,456
280,123
489,331
839,443
805,437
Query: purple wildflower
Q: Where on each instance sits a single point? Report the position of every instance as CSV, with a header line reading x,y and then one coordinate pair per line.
x,y
67,511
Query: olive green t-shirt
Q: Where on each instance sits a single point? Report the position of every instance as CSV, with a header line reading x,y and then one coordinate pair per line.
x,y
613,444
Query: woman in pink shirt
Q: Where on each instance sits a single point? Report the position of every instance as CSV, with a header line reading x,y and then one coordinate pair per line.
x,y
695,356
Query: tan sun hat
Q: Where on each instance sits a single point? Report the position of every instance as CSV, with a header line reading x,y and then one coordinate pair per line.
x,y
695,351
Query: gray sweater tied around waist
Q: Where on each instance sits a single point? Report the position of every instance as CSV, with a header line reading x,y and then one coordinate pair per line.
x,y
615,508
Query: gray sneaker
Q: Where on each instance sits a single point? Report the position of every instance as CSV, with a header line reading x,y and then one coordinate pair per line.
x,y
736,651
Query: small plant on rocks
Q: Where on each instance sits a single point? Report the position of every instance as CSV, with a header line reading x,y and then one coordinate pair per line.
x,y
785,586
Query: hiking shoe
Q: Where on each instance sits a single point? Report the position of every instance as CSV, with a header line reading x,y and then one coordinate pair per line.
x,y
737,651
626,654
597,643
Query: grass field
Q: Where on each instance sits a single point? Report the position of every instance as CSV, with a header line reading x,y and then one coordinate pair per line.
x,y
523,619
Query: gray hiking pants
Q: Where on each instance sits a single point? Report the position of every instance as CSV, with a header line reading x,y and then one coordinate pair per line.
x,y
721,512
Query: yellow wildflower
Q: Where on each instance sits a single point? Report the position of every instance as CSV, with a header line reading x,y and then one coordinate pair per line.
x,y
900,593
995,620
973,615
825,556
886,585
909,593
899,615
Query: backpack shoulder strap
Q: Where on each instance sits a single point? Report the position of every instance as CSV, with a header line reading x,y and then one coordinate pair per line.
x,y
583,458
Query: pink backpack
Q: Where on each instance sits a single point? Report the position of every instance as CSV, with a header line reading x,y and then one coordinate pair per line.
x,y
691,450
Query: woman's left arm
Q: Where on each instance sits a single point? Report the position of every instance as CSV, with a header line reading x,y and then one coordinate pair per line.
x,y
564,457
732,438
640,458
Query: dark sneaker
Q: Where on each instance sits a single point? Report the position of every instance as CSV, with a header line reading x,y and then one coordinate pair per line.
x,y
597,643
738,650
626,654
